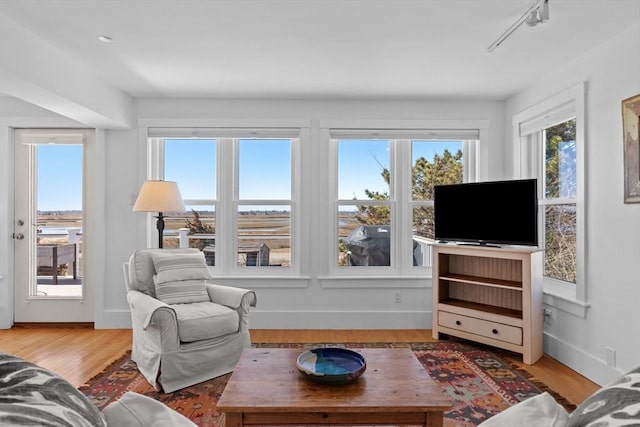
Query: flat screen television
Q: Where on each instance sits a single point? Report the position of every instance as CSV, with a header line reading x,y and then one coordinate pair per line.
x,y
487,213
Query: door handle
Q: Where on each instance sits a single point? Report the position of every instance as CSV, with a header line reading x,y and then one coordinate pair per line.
x,y
17,236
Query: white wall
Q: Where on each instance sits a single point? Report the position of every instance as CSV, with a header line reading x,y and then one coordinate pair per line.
x,y
285,303
612,73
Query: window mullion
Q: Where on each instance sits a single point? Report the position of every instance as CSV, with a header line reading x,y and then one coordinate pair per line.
x,y
225,218
402,219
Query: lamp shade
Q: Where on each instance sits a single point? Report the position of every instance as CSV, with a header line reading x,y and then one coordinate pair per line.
x,y
159,196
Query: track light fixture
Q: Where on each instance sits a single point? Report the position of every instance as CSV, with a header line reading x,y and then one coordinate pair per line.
x,y
538,13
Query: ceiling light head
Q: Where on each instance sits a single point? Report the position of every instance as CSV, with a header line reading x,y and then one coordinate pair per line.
x,y
533,19
104,39
539,15
536,14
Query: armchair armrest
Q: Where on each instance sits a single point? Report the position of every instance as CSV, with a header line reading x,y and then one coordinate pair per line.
x,y
144,306
237,298
231,296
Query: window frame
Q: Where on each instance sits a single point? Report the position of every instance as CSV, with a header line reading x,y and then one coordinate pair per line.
x,y
400,133
227,181
530,124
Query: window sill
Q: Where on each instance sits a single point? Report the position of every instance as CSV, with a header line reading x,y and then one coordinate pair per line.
x,y
263,281
563,297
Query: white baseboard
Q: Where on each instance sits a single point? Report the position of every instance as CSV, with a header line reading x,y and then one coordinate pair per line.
x,y
580,361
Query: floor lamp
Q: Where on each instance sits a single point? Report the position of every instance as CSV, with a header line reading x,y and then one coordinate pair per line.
x,y
159,196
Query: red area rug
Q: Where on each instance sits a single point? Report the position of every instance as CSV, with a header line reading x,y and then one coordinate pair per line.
x,y
479,383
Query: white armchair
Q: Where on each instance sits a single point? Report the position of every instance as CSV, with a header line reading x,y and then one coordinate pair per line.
x,y
185,329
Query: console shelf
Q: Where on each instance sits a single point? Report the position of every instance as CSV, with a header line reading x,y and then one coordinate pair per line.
x,y
462,307
489,295
483,281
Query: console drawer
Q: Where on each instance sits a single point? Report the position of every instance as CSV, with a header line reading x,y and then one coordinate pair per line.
x,y
485,328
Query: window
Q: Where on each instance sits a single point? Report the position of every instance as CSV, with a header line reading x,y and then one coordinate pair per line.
x,y
384,193
364,230
559,200
551,145
191,163
432,163
264,202
237,185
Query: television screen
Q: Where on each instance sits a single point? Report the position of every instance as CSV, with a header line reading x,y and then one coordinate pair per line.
x,y
493,212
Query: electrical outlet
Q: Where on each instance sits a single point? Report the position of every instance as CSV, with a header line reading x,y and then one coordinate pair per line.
x,y
548,315
398,297
611,357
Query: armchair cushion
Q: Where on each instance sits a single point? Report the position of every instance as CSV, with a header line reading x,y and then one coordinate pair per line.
x,y
180,277
179,266
205,320
140,268
182,291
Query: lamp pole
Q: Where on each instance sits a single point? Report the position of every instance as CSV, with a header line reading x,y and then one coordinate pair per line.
x,y
160,227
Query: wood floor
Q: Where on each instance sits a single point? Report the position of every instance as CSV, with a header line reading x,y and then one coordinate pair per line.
x,y
77,354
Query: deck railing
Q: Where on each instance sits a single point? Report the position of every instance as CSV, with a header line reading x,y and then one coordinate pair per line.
x,y
422,252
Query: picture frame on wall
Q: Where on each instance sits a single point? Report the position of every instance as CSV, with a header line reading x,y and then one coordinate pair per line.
x,y
631,141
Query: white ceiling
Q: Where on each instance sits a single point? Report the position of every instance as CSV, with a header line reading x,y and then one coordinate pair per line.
x,y
320,48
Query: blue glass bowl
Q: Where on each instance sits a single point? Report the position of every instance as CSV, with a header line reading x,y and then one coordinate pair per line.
x,y
331,365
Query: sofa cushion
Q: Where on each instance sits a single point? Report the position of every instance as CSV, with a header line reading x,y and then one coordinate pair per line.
x,y
141,269
32,395
204,320
538,411
137,410
616,404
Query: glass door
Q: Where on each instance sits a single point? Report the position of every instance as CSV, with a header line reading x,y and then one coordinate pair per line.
x,y
48,236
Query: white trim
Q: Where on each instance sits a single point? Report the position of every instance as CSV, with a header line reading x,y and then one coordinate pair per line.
x,y
264,281
548,111
223,123
227,196
592,367
409,134
555,115
402,124
400,133
565,302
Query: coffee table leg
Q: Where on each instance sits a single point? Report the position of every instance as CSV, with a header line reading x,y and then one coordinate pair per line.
x,y
434,419
233,419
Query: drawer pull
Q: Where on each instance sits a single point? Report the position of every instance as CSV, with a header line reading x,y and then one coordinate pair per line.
x,y
495,331
458,322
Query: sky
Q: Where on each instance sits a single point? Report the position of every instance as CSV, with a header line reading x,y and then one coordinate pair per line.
x,y
264,169
360,163
59,177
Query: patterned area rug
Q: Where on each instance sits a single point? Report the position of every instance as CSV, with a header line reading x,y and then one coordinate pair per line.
x,y
479,383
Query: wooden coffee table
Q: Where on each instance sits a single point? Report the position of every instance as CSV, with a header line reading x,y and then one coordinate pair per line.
x,y
266,388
